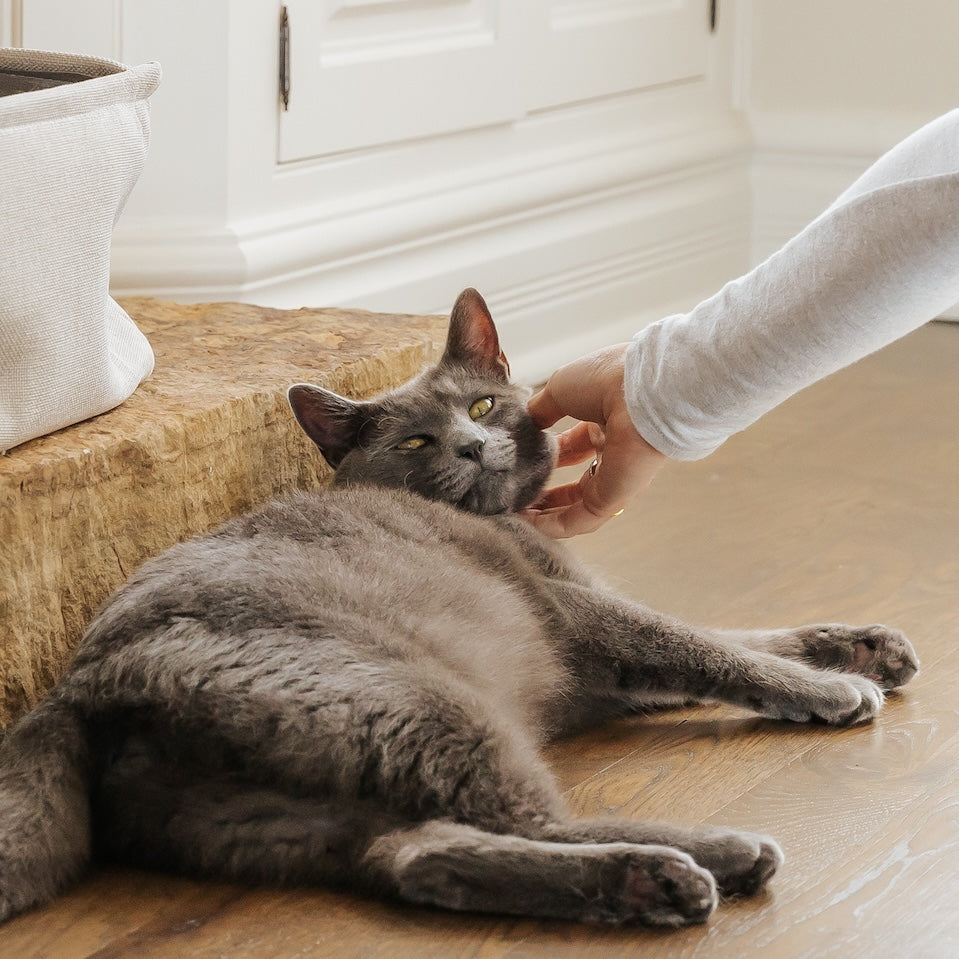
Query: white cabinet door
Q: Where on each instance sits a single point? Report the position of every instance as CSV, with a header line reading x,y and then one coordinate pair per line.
x,y
367,73
372,72
583,49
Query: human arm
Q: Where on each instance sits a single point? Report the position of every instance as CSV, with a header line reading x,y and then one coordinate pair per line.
x,y
882,260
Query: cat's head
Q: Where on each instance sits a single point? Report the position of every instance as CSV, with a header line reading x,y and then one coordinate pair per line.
x,y
459,432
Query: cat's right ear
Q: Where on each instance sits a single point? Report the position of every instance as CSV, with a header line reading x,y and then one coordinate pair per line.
x,y
332,421
472,340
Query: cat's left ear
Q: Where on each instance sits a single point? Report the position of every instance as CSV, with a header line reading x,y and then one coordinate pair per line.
x,y
472,339
332,421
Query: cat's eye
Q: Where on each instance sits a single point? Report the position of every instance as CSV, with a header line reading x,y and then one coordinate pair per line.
x,y
481,407
412,443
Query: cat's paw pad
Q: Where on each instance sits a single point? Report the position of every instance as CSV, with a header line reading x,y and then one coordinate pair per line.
x,y
665,887
741,862
877,652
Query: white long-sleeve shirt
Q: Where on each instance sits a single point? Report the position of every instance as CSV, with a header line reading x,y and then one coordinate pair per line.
x,y
882,260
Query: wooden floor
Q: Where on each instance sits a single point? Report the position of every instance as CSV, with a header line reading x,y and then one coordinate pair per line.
x,y
843,504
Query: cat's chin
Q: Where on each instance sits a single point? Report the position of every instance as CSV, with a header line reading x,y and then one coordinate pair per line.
x,y
494,494
486,498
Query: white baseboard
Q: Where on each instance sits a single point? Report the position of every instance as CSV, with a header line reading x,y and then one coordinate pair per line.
x,y
581,246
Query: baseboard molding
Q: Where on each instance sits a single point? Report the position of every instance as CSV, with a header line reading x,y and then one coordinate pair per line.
x,y
559,281
562,316
581,246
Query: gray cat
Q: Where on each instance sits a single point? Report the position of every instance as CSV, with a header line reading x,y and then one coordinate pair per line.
x,y
351,687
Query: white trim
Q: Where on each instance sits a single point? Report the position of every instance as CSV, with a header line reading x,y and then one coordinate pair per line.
x,y
548,323
593,228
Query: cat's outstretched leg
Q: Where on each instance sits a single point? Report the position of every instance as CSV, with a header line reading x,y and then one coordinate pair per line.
x,y
877,652
628,654
150,813
440,863
740,862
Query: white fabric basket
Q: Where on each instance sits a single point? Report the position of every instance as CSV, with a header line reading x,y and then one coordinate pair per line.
x,y
73,138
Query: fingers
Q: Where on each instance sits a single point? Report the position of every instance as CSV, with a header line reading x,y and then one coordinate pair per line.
x,y
580,442
565,522
582,389
571,509
590,390
626,466
559,497
621,471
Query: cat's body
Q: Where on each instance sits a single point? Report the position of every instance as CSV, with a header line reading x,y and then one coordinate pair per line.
x,y
351,687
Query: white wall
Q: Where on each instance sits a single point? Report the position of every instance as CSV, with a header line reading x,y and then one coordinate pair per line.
x,y
828,87
871,60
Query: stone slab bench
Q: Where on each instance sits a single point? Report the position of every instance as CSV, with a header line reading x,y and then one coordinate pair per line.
x,y
208,436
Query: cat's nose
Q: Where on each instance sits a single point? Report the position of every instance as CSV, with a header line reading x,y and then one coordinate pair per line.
x,y
472,450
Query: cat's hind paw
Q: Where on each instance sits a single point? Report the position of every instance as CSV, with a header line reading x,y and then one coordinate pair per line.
x,y
741,862
664,887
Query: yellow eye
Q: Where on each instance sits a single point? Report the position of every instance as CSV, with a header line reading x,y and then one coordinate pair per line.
x,y
412,443
481,407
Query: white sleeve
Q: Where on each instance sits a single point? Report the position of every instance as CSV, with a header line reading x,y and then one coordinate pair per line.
x,y
879,262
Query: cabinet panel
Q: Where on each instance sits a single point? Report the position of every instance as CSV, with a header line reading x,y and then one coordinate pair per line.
x,y
371,72
593,48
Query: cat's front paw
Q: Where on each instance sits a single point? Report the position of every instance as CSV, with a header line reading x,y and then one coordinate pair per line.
x,y
853,700
877,652
834,698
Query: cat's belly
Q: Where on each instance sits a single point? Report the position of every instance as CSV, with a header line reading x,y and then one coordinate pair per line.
x,y
258,614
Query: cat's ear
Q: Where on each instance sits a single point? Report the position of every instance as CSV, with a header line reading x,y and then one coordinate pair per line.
x,y
472,339
332,421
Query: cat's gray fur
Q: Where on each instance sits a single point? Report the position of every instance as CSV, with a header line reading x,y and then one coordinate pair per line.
x,y
351,687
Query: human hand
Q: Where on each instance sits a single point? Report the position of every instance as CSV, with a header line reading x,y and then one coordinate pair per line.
x,y
591,390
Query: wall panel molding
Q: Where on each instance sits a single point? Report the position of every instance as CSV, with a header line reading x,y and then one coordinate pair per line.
x,y
361,31
367,74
